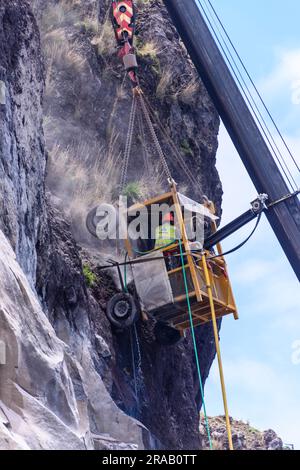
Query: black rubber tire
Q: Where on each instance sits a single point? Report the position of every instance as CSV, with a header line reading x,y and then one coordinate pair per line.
x,y
91,222
121,310
165,335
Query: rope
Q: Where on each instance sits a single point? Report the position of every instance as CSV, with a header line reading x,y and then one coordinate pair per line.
x,y
136,368
195,345
140,375
125,273
133,363
154,249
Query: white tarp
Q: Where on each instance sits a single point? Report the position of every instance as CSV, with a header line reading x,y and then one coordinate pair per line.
x,y
152,282
193,206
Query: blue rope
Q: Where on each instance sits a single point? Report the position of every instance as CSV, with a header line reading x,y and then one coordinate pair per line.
x,y
154,249
125,273
195,344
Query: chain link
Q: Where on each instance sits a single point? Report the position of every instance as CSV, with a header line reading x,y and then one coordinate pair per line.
x,y
154,138
173,147
144,144
128,143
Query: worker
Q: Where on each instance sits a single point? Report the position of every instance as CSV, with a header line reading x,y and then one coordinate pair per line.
x,y
166,235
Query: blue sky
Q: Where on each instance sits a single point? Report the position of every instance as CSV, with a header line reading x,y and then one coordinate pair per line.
x,y
262,367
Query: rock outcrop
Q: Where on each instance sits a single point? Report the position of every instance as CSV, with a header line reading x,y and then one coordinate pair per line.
x,y
244,436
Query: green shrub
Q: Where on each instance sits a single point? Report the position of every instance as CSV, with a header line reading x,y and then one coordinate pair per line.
x,y
186,148
132,191
90,277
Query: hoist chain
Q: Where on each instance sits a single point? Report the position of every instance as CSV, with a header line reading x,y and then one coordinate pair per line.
x,y
144,143
128,143
154,137
173,147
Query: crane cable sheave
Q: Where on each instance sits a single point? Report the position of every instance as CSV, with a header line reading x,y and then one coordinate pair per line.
x,y
123,21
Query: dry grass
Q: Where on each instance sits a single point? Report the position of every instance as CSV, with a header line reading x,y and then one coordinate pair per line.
x,y
120,95
149,49
90,25
164,84
61,55
105,41
90,21
140,3
60,15
59,52
82,173
151,184
81,177
250,434
188,93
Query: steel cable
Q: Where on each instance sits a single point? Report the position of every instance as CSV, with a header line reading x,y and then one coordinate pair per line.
x,y
258,116
254,86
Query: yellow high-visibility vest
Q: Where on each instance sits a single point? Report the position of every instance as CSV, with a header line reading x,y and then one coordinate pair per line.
x,y
165,235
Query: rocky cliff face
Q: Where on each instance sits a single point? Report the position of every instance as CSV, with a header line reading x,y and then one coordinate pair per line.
x,y
67,374
51,395
49,399
22,156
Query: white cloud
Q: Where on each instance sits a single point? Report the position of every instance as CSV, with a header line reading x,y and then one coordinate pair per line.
x,y
296,92
281,89
285,76
238,188
260,394
253,270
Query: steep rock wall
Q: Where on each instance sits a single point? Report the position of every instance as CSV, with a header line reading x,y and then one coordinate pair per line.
x,y
48,398
22,156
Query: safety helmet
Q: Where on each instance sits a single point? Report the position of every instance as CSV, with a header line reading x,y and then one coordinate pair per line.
x,y
169,217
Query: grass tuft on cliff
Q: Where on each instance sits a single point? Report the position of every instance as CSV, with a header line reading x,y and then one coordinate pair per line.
x,y
90,277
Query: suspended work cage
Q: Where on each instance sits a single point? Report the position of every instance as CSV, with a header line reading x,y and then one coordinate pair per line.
x,y
163,287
